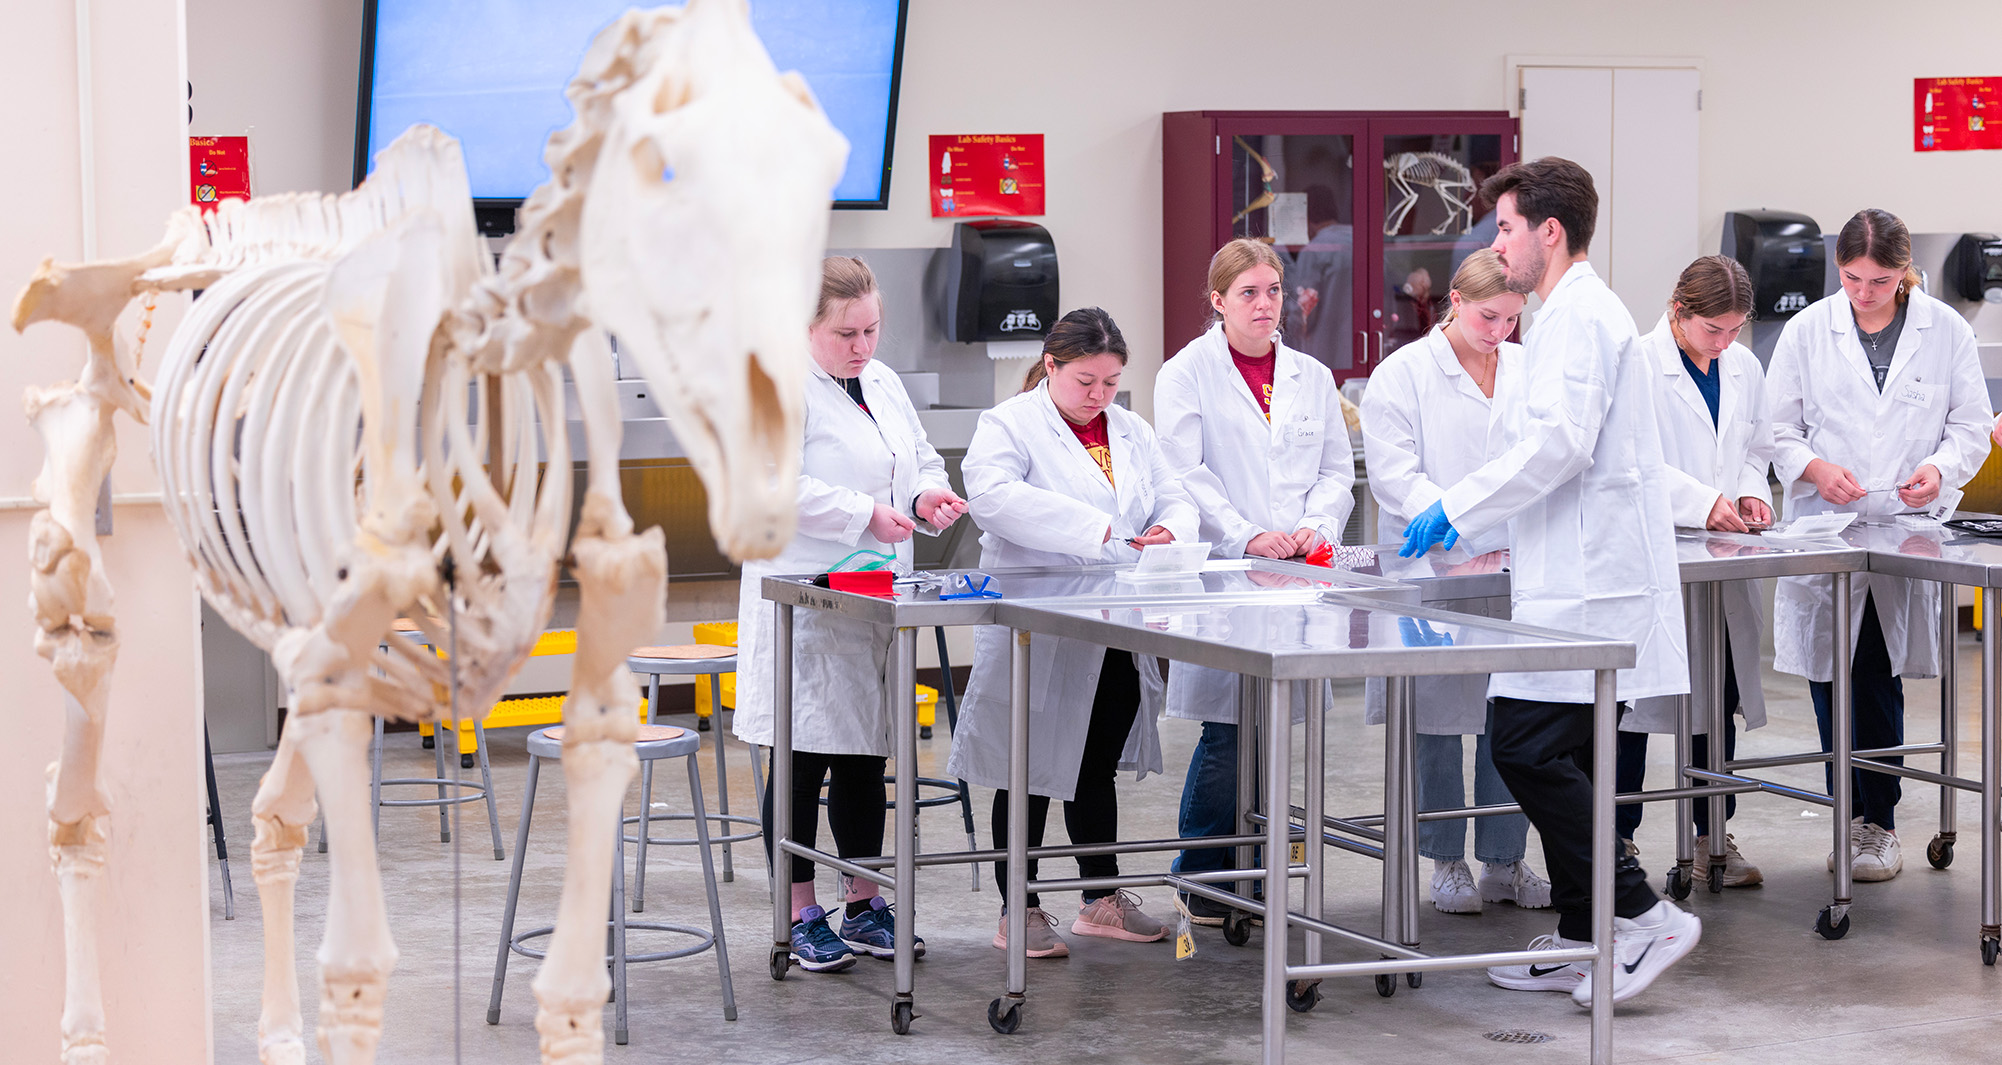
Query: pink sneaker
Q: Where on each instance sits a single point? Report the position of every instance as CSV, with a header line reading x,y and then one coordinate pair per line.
x,y
1042,938
1118,916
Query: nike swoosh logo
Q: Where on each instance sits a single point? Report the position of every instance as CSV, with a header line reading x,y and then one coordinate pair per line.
x,y
1635,964
1539,970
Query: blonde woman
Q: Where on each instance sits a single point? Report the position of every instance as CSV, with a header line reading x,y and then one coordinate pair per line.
x,y
1425,423
1255,430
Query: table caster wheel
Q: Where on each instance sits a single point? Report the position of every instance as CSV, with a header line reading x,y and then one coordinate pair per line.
x,y
1717,878
901,1014
781,961
465,761
1386,986
1677,885
1829,930
924,732
1301,995
1415,980
1237,928
1004,1022
1988,950
1939,852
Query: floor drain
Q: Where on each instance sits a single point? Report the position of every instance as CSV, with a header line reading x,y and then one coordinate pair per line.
x,y
1518,1035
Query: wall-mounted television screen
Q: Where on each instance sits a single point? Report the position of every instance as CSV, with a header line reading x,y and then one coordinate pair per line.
x,y
491,73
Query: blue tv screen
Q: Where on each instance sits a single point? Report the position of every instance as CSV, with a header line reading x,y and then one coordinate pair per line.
x,y
491,73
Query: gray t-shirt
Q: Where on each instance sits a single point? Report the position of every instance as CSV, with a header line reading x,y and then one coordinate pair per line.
x,y
1878,347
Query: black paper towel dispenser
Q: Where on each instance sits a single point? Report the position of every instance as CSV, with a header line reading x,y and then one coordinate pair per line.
x,y
1974,269
1785,256
1001,282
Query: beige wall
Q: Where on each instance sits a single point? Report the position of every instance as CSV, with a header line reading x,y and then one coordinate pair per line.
x,y
154,935
1823,127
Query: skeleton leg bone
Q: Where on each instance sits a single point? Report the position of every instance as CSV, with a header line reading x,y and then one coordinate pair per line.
x,y
357,954
281,813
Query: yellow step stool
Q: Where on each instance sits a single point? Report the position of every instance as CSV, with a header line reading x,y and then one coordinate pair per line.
x,y
724,634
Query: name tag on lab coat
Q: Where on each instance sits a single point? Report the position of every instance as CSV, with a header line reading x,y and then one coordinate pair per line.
x,y
1916,393
1306,431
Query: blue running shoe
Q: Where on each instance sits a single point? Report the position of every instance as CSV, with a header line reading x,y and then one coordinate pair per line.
x,y
815,946
875,932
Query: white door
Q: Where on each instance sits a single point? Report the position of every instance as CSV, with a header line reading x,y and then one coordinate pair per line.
x,y
1635,130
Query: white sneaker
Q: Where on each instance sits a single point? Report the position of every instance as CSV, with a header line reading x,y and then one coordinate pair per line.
x,y
1855,845
1515,882
1533,977
1878,856
1453,889
1643,947
1737,871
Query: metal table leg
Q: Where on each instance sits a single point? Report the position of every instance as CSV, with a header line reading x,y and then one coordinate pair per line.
x,y
1991,775
1719,715
904,707
1407,805
1005,1013
781,790
1834,920
1605,720
1249,698
1396,820
1278,799
1315,802
1940,851
1694,618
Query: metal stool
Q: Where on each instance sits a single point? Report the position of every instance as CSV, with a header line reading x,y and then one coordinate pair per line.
x,y
468,790
696,659
655,742
215,823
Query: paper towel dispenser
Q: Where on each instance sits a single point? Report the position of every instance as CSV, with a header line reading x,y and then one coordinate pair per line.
x,y
1001,282
1785,256
1974,268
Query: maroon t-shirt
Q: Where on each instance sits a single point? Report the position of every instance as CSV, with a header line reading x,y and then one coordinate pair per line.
x,y
1257,374
1097,442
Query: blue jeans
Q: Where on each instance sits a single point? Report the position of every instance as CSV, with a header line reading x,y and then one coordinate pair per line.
x,y
1209,798
1500,839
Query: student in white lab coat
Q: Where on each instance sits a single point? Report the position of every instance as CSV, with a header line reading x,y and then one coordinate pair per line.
x,y
1425,424
867,478
1878,405
1578,475
1710,397
1060,476
1254,428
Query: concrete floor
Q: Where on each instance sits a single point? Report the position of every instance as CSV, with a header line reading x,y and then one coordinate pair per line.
x,y
1906,983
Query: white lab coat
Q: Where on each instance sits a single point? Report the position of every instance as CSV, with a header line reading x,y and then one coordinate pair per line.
x,y
1933,411
849,463
1729,458
1579,479
1248,475
1425,425
1041,501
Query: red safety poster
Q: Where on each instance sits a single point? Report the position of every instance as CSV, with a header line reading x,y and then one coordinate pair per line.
x,y
1953,114
218,169
985,174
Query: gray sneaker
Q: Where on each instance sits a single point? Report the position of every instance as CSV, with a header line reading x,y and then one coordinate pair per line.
x,y
1042,938
1118,916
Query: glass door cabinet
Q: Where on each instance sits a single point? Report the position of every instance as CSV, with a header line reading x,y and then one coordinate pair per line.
x,y
1371,212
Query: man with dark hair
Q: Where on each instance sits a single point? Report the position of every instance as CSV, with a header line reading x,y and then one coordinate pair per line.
x,y
1580,482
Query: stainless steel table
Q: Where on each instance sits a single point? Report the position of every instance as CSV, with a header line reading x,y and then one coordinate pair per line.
x,y
1926,551
915,607
1309,636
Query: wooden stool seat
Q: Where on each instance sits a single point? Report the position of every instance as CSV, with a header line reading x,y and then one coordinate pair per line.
x,y
685,652
647,734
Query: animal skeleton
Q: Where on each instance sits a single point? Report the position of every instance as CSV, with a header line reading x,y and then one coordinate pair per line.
x,y
322,461
1408,172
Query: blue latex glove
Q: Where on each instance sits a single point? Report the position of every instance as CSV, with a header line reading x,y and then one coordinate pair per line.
x,y
1429,528
1417,632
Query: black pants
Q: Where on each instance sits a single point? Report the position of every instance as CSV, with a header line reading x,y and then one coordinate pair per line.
x,y
1877,698
1544,754
1093,816
855,805
1632,774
